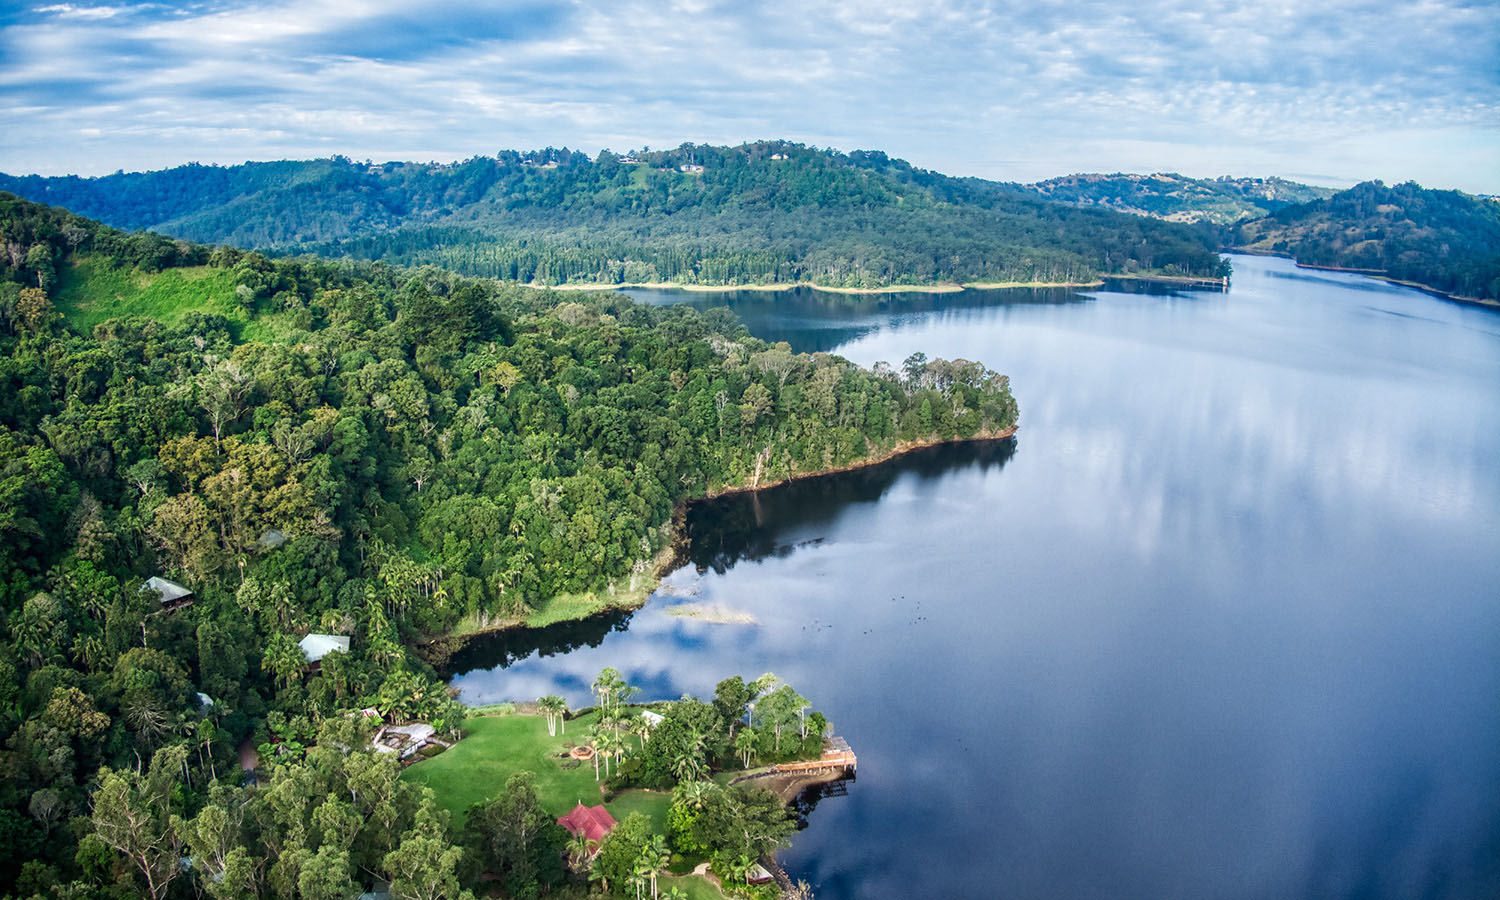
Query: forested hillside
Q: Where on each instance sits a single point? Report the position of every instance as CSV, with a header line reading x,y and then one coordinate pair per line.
x,y
1446,240
767,212
1177,198
341,448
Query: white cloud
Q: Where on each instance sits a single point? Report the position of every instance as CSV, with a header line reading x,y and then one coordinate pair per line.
x,y
69,11
1021,91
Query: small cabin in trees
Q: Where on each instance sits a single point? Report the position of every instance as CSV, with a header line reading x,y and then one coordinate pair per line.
x,y
316,646
171,594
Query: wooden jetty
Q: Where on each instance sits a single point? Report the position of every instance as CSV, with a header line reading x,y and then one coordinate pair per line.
x,y
837,759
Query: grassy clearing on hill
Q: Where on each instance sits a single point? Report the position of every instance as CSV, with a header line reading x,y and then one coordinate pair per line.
x,y
91,291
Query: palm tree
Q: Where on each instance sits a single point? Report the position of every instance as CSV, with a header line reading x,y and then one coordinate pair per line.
x,y
739,868
744,745
695,793
605,685
655,857
554,708
688,764
612,746
595,736
580,851
283,659
641,729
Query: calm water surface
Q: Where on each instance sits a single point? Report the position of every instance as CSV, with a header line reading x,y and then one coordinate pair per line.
x,y
1223,620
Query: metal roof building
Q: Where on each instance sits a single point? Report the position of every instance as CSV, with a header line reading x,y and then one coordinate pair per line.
x,y
317,646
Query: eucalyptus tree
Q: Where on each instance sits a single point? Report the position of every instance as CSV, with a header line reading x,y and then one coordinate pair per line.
x,y
731,700
132,813
780,709
424,866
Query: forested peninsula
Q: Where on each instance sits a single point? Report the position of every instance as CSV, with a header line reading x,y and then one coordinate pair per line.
x,y
1446,241
351,452
764,213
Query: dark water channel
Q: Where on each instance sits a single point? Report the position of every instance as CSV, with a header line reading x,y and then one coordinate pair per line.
x,y
1223,620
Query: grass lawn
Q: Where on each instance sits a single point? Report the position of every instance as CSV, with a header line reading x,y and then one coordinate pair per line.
x,y
653,803
695,886
496,747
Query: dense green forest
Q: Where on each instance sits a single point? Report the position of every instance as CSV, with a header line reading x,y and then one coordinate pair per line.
x,y
765,212
1179,198
344,448
1445,240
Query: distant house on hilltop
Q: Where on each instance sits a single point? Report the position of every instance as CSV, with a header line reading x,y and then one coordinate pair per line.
x,y
171,594
778,156
316,646
691,168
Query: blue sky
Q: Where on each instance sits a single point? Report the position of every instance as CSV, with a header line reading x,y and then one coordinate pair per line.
x,y
1331,91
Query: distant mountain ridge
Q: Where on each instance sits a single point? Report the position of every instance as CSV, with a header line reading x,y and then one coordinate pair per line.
x,y
1178,198
778,212
764,212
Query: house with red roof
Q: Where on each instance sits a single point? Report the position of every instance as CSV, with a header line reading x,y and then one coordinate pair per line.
x,y
594,822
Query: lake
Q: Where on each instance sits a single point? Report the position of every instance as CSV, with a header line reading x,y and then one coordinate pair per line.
x,y
1222,620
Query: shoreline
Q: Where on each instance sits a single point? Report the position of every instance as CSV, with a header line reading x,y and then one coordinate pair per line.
x,y
1201,280
672,554
941,288
900,449
777,287
1378,274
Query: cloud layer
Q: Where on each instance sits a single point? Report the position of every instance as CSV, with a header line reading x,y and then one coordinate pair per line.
x,y
1333,92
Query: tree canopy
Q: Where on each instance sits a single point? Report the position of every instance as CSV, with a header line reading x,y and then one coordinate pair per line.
x,y
363,452
1445,240
764,212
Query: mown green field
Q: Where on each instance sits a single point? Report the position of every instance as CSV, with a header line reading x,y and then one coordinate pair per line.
x,y
496,747
696,887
